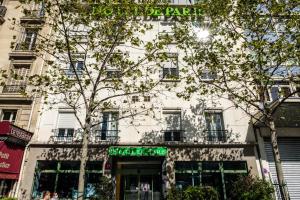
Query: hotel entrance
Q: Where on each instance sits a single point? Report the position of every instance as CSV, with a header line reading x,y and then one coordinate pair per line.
x,y
139,180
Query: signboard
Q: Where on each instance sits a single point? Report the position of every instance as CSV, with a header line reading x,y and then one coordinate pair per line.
x,y
10,160
146,10
137,151
9,130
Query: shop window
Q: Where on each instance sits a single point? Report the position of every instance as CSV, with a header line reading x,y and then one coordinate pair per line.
x,y
9,115
172,123
62,177
219,175
109,126
215,126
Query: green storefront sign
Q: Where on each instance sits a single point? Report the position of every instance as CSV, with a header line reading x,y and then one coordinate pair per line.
x,y
146,10
137,151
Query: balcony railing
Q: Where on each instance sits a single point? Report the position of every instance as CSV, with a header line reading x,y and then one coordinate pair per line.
x,y
216,135
106,135
24,46
34,13
13,88
173,135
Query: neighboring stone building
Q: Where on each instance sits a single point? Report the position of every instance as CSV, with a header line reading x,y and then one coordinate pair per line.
x,y
18,114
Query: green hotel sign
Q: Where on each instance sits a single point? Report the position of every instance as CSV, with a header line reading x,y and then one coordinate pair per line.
x,y
146,10
137,151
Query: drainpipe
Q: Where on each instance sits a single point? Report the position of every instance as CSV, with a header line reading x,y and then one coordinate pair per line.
x,y
258,152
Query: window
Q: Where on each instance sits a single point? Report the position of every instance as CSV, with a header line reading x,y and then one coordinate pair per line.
x,y
219,175
280,90
9,115
172,123
28,40
65,127
170,67
62,177
78,65
135,99
109,126
17,82
147,98
208,75
215,126
113,74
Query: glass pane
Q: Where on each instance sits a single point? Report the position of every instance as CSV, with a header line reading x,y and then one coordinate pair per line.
x,y
94,165
214,180
146,187
235,165
61,132
70,132
67,184
70,165
46,183
210,166
274,93
47,165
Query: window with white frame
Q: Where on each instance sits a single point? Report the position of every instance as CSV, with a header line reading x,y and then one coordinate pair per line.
x,y
208,75
28,40
17,81
172,124
109,126
78,66
170,66
65,126
280,89
112,70
135,99
9,115
215,129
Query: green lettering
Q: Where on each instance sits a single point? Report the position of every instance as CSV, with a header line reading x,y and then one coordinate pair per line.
x,y
186,11
157,12
169,11
149,11
176,12
108,11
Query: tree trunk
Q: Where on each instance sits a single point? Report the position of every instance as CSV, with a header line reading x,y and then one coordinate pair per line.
x,y
282,187
83,161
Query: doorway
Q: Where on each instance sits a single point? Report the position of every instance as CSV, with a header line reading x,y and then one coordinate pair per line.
x,y
139,181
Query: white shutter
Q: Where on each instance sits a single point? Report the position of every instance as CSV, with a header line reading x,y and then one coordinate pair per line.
x,y
66,120
289,149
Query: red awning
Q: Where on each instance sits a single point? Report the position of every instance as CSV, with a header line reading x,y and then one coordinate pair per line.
x,y
14,134
8,176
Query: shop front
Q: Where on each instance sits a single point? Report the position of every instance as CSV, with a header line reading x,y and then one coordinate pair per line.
x,y
138,172
12,145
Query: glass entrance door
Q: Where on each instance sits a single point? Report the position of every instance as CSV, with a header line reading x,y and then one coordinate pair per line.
x,y
141,187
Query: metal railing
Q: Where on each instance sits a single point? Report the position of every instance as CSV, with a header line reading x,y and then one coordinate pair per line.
x,y
13,88
216,135
34,13
3,10
106,135
25,46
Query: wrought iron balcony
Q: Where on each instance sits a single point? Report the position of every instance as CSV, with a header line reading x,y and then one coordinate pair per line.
x,y
3,10
25,46
33,16
13,88
106,135
66,135
173,135
216,135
